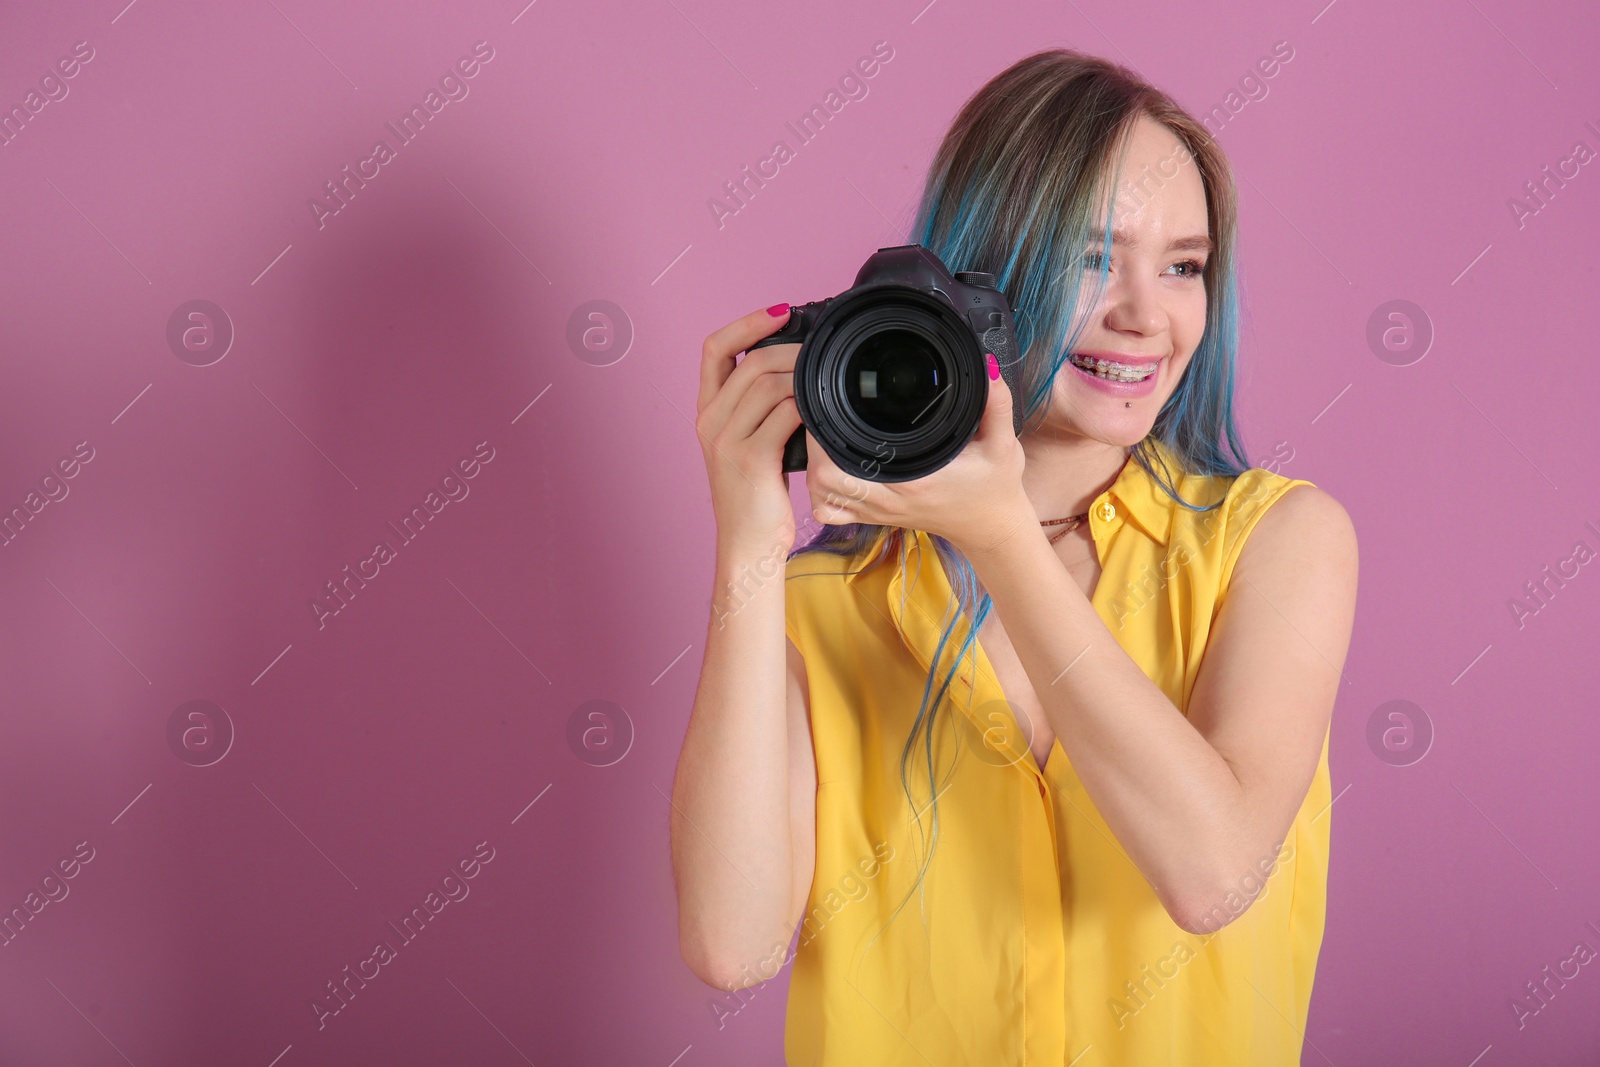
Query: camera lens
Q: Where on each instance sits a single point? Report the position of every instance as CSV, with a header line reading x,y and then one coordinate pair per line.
x,y
892,380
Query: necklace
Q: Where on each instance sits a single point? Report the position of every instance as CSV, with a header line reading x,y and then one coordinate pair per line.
x,y
1073,522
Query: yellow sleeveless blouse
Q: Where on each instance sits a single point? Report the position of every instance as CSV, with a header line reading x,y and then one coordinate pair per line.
x,y
1033,938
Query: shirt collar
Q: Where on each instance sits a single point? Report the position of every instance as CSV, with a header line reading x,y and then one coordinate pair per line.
x,y
1135,495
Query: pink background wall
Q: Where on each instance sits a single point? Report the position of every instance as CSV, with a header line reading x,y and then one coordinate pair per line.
x,y
363,759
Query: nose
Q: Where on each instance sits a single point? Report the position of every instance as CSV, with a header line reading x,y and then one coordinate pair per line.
x,y
1134,305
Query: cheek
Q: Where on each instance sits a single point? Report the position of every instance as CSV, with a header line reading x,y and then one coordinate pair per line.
x,y
1189,322
1174,375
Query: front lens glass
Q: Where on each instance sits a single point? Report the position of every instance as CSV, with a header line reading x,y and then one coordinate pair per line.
x,y
893,379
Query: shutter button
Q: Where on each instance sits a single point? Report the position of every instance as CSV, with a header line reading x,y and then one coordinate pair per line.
x,y
1108,511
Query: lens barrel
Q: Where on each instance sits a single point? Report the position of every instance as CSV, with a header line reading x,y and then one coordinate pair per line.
x,y
891,383
891,377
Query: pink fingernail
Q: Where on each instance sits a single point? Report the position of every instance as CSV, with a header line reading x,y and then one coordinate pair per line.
x,y
777,310
994,366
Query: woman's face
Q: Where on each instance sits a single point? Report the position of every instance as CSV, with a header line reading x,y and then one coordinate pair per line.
x,y
1153,311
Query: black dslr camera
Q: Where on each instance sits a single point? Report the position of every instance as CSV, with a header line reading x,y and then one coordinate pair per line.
x,y
891,377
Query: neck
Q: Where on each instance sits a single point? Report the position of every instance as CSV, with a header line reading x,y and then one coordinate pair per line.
x,y
1065,471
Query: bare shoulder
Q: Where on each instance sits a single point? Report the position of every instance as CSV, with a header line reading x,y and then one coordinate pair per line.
x,y
1305,526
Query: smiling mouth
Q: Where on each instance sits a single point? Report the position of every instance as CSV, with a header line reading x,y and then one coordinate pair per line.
x,y
1112,370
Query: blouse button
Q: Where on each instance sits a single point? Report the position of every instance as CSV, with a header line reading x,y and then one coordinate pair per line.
x,y
1108,511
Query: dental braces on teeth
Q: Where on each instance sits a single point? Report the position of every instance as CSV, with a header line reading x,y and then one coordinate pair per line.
x,y
1117,372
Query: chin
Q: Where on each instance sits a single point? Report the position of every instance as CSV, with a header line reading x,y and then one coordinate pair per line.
x,y
1114,425
1124,433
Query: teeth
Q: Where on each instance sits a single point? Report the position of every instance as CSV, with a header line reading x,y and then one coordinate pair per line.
x,y
1117,372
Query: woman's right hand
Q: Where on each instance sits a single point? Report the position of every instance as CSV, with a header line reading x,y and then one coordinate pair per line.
x,y
746,412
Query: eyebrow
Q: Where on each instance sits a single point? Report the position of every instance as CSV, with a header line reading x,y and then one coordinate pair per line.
x,y
1195,243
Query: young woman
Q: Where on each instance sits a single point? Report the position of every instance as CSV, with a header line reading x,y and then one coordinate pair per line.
x,y
1040,774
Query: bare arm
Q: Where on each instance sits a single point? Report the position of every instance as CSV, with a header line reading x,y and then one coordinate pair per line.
x,y
743,799
1199,800
1196,801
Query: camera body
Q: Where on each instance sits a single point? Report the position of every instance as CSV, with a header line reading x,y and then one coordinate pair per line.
x,y
891,378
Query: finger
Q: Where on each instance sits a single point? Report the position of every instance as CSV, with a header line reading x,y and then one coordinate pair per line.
x,y
830,481
820,466
722,346
821,472
714,416
780,422
997,409
765,392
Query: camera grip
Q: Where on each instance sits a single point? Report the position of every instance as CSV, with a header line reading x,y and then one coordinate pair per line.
x,y
794,451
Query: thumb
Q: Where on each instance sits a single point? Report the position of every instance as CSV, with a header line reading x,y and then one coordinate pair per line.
x,y
997,412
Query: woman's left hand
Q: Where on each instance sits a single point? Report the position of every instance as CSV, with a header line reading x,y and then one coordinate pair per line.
x,y
975,501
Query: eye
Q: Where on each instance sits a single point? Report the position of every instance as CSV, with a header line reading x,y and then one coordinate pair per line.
x,y
1092,260
1195,268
